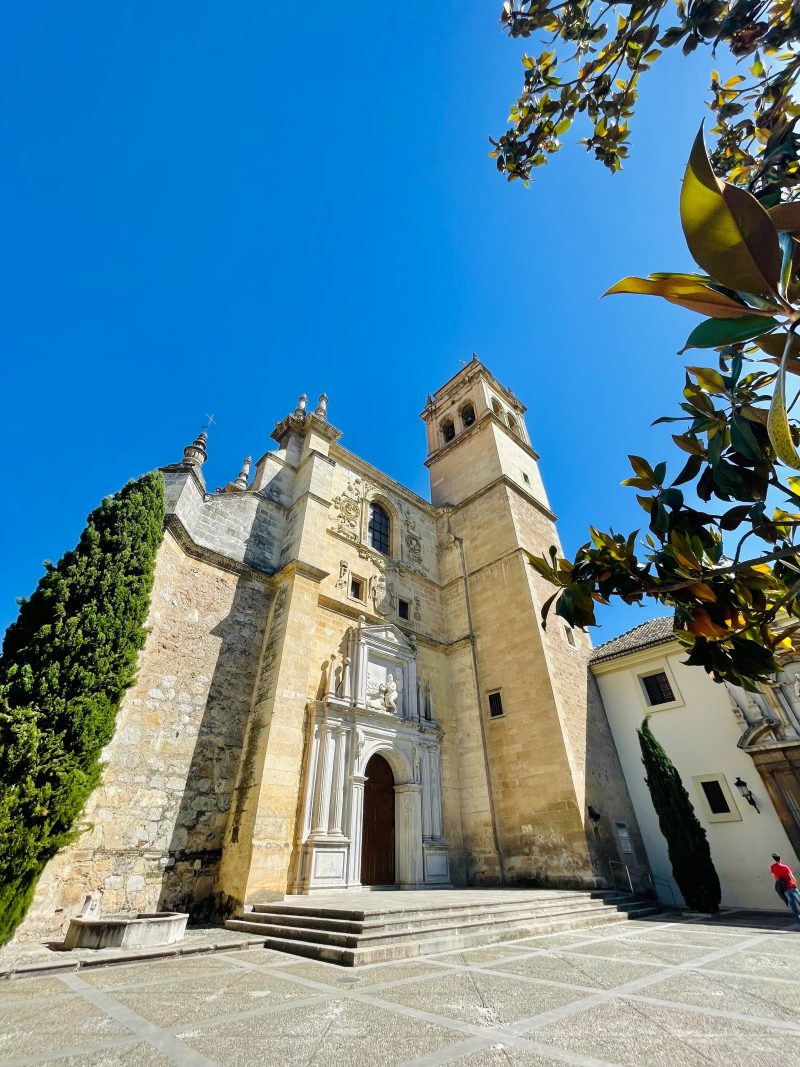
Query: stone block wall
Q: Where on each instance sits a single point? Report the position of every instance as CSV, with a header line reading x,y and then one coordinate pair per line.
x,y
157,822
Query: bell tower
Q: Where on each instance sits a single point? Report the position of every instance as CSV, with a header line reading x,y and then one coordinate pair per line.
x,y
519,692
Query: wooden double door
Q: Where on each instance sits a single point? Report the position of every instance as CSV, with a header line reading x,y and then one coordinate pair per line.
x,y
377,841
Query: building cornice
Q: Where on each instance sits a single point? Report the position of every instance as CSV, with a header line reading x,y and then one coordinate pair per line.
x,y
619,661
503,479
360,466
185,541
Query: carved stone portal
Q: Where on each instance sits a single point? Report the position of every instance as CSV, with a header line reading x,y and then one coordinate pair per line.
x,y
377,707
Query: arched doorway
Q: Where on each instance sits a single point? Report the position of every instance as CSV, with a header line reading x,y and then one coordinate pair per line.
x,y
377,842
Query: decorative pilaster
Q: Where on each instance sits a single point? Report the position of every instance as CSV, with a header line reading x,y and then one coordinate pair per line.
x,y
356,829
436,797
427,786
322,794
337,786
408,799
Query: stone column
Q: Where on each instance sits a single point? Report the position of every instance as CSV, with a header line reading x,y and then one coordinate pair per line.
x,y
322,794
408,835
337,785
436,795
427,787
356,828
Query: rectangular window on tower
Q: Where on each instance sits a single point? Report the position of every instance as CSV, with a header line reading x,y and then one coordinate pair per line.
x,y
495,705
403,607
356,588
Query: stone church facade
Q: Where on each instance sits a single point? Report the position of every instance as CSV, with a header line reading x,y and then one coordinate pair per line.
x,y
346,685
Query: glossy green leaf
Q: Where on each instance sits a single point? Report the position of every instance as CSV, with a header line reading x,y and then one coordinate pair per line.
x,y
713,333
728,232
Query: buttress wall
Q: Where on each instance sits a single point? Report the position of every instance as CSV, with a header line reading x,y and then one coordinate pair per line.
x,y
157,821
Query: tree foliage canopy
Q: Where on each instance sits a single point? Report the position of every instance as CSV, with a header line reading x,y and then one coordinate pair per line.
x,y
721,545
595,54
65,665
738,447
686,839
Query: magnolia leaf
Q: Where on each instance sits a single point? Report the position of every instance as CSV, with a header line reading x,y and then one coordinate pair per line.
x,y
786,217
690,470
713,333
780,434
729,233
687,291
774,343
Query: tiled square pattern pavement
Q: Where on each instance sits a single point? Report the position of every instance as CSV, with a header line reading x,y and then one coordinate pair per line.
x,y
655,992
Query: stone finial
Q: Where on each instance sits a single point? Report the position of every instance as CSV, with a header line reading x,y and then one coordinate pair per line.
x,y
195,454
321,410
300,410
244,474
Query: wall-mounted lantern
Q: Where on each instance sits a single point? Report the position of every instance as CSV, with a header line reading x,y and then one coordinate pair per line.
x,y
746,793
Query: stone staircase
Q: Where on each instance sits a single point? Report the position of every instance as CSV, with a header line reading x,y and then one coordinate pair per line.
x,y
358,928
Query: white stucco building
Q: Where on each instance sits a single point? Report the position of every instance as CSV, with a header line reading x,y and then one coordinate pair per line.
x,y
735,752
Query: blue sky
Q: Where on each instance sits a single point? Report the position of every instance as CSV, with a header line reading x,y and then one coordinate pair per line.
x,y
215,207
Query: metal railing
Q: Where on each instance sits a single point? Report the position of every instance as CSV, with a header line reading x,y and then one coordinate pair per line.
x,y
656,886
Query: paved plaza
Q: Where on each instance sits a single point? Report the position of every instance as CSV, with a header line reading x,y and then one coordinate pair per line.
x,y
659,991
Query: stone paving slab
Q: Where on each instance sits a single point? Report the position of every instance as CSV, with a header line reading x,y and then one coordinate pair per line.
x,y
23,960
339,1032
634,1034
651,994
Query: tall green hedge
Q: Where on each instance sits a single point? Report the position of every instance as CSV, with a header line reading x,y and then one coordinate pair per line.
x,y
65,665
687,844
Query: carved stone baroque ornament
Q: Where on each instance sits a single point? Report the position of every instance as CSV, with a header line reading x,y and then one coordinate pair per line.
x,y
348,506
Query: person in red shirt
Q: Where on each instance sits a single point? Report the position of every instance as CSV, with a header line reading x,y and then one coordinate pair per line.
x,y
785,879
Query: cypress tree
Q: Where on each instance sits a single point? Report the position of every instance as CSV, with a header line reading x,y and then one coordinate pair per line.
x,y
687,844
65,665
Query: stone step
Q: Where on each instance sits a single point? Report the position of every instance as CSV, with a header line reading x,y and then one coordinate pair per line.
x,y
290,913
350,955
304,932
402,924
317,906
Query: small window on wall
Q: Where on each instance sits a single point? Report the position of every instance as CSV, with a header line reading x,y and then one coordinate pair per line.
x,y
525,478
716,797
657,689
356,589
623,833
403,607
448,430
570,637
468,415
495,705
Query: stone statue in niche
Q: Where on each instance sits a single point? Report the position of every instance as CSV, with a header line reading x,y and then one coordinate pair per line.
x,y
390,693
737,711
797,686
415,764
384,688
